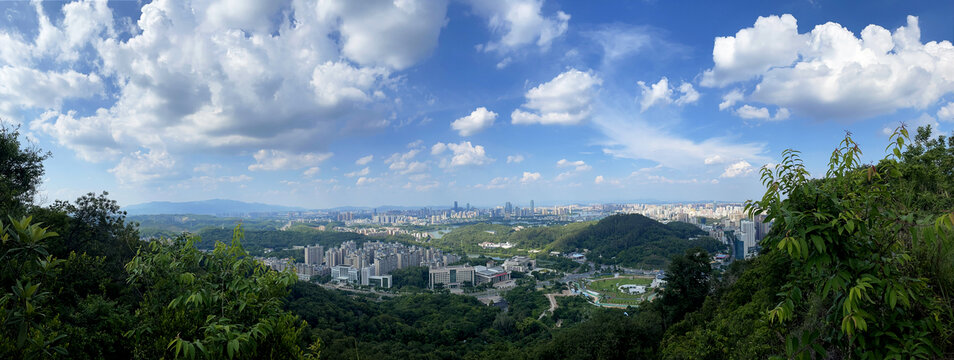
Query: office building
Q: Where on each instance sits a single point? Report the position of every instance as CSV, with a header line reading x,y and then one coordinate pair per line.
x,y
450,276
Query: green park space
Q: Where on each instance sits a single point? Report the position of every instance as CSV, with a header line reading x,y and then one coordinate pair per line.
x,y
609,288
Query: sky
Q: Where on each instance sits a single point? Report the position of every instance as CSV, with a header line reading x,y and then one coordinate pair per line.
x,y
332,103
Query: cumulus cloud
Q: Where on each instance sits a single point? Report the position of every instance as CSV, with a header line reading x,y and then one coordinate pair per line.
x,y
364,160
496,183
529,177
312,171
578,165
401,161
832,73
140,167
946,113
730,98
740,168
365,181
215,75
477,121
519,23
271,160
751,112
462,154
565,100
397,34
598,180
661,93
363,172
516,159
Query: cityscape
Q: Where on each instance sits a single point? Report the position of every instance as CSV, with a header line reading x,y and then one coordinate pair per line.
x,y
476,179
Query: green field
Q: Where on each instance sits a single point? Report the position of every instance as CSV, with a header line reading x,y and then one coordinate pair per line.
x,y
609,288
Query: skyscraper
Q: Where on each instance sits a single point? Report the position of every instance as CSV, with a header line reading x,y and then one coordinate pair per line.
x,y
455,205
313,255
531,208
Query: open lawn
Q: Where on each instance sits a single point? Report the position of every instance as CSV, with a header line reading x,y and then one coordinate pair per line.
x,y
609,287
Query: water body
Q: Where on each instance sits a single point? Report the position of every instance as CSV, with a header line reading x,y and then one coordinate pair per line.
x,y
437,234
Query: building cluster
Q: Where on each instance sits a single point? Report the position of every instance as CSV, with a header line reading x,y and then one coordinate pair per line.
x,y
457,276
369,264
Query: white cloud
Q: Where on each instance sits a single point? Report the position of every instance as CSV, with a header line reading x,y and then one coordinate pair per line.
x,y
140,167
516,159
312,171
215,75
773,42
740,168
271,160
462,154
598,180
519,23
751,112
438,148
714,159
661,93
565,100
730,98
529,177
401,161
362,172
397,34
206,168
912,125
830,72
578,165
477,121
496,183
364,160
365,181
634,138
946,113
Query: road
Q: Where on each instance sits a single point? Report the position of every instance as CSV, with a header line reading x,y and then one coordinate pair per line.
x,y
553,302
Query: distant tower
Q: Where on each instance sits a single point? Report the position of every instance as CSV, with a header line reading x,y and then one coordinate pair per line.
x,y
531,208
455,205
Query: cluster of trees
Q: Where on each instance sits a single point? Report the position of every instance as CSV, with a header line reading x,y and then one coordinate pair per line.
x,y
76,282
634,240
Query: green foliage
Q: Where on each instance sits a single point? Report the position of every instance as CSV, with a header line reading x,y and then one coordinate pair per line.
x,y
636,241
28,324
21,170
412,277
210,305
687,284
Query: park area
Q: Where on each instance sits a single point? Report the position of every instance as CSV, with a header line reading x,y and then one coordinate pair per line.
x,y
611,294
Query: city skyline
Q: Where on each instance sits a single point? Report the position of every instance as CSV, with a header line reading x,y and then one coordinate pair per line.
x,y
413,103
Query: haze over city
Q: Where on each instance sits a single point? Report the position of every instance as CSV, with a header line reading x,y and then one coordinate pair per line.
x,y
424,103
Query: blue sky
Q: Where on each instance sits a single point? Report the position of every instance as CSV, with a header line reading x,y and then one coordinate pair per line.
x,y
331,103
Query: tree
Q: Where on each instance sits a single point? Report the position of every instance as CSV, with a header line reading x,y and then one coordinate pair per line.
x,y
687,284
211,305
21,171
865,280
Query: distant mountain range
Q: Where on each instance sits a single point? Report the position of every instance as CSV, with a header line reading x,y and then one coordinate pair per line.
x,y
205,207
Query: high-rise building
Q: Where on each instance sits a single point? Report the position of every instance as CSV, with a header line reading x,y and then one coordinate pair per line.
x,y
747,228
455,205
531,208
314,254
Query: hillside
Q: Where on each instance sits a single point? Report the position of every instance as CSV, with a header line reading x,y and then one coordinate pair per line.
x,y
205,207
637,241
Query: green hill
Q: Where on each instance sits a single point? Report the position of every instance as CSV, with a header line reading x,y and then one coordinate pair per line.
x,y
637,241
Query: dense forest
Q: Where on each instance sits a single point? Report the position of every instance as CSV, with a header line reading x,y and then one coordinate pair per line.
x,y
860,264
634,240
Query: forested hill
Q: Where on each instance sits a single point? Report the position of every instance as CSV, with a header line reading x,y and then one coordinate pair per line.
x,y
638,241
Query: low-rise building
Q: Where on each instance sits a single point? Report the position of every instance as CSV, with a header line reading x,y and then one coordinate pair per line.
x,y
381,281
491,275
519,263
450,276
